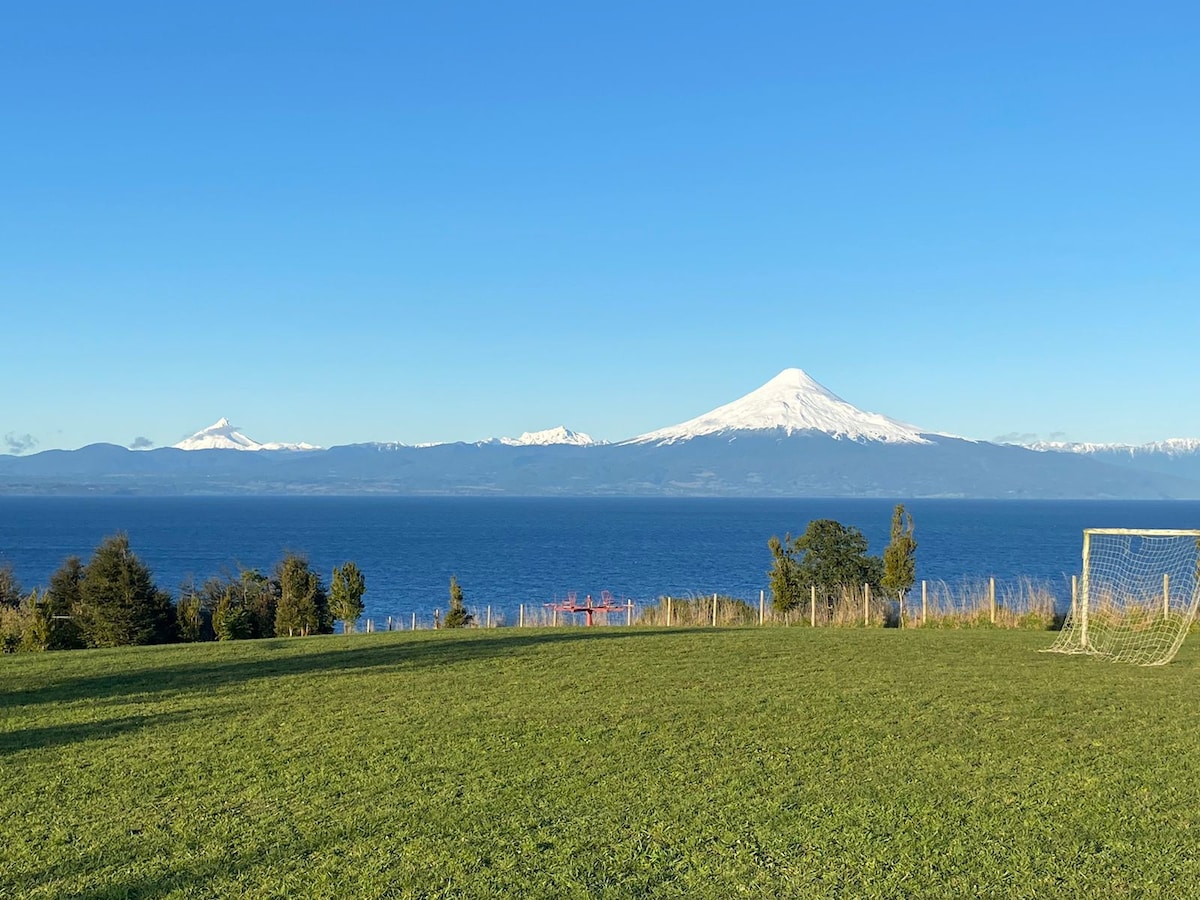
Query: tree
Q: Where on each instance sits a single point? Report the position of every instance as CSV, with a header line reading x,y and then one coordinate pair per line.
x,y
194,611
63,592
10,588
22,627
195,622
119,602
786,590
231,620
346,589
259,599
40,629
62,602
302,607
237,606
457,616
900,557
828,556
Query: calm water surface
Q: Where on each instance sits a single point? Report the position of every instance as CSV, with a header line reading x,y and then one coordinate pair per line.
x,y
507,551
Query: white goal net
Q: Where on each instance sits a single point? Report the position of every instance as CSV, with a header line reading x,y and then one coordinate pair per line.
x,y
1136,597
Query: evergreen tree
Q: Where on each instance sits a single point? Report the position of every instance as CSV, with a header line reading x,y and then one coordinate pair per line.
x,y
119,602
62,603
39,631
346,589
10,588
303,607
22,627
786,590
242,606
457,616
63,593
190,615
258,598
231,620
900,557
193,615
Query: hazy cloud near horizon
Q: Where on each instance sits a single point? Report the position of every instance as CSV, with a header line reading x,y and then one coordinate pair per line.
x,y
19,443
141,443
1015,437
1027,437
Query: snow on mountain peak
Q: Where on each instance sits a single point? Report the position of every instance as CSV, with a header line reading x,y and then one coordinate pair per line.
x,y
558,435
1169,447
794,402
222,435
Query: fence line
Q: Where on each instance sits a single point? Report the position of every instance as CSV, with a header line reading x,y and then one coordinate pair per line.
x,y
1019,603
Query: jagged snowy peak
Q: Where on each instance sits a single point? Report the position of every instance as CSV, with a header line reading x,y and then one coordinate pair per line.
x,y
792,402
223,436
559,435
550,437
381,446
1169,447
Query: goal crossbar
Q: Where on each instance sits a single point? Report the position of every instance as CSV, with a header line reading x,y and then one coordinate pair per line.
x,y
1147,532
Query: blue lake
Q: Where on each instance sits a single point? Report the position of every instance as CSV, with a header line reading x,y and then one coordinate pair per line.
x,y
508,551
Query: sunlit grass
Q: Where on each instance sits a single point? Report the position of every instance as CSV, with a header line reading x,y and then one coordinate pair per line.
x,y
764,762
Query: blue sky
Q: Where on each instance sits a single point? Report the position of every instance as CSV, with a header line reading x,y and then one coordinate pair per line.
x,y
448,221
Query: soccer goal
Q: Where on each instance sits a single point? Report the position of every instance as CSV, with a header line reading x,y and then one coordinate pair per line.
x,y
1136,596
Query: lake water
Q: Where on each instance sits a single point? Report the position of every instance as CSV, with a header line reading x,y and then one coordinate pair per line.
x,y
508,551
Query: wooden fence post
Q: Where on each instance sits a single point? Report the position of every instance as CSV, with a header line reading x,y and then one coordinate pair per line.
x,y
866,604
812,605
714,610
762,606
924,603
992,598
668,612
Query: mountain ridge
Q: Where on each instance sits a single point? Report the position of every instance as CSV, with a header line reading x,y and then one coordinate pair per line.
x,y
1172,446
791,437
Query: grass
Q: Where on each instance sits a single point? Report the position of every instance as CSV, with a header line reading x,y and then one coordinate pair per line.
x,y
605,763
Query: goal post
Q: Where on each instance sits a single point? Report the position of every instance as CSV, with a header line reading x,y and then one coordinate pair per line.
x,y
1137,595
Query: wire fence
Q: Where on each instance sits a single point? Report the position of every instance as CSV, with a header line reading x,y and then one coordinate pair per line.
x,y
1022,603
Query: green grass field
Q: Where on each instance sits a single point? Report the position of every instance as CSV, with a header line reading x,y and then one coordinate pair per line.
x,y
605,763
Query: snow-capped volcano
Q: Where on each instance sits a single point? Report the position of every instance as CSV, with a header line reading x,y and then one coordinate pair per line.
x,y
559,435
792,402
224,436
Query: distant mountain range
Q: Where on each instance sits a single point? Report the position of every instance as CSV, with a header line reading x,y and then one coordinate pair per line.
x,y
790,437
223,436
1176,456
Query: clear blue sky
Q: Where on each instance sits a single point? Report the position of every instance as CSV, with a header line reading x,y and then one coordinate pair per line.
x,y
444,221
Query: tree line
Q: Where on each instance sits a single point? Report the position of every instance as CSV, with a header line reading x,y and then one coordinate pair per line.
x,y
831,557
112,600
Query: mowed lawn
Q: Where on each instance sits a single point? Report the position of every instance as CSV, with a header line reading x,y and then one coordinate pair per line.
x,y
600,763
